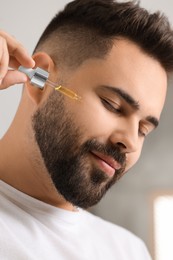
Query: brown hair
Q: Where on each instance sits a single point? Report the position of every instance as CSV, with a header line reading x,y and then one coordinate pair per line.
x,y
86,29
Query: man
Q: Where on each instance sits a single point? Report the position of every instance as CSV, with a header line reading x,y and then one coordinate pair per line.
x,y
60,156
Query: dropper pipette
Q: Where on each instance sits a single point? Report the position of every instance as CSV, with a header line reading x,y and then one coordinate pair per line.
x,y
39,77
66,91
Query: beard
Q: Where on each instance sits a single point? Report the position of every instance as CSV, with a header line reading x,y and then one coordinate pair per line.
x,y
68,161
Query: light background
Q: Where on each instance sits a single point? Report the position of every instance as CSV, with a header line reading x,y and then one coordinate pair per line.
x,y
129,202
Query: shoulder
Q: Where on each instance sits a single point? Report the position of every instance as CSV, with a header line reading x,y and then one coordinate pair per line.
x,y
106,226
117,236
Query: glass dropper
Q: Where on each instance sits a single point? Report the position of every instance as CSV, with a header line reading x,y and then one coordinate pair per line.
x,y
39,78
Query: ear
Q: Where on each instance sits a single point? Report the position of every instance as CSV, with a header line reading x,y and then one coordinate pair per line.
x,y
45,62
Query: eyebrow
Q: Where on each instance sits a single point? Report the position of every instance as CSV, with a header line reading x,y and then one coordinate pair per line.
x,y
153,120
131,101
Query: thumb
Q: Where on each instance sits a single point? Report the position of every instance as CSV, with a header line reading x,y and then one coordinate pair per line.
x,y
11,78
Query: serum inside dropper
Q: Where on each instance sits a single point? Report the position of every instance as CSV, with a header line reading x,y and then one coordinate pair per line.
x,y
39,78
66,91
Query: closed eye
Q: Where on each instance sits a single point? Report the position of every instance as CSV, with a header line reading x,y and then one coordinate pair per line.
x,y
145,130
115,108
142,133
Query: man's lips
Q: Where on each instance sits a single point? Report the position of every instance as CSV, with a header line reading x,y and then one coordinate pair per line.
x,y
107,163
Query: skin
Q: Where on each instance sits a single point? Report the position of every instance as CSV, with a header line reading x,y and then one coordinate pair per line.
x,y
125,68
12,54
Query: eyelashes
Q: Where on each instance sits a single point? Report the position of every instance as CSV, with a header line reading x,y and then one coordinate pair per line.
x,y
118,110
112,108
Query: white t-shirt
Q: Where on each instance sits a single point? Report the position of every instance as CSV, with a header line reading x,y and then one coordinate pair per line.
x,y
33,230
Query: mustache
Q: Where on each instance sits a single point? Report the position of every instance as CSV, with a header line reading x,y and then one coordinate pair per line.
x,y
108,150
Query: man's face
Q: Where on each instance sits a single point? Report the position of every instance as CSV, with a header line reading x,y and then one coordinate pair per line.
x,y
88,145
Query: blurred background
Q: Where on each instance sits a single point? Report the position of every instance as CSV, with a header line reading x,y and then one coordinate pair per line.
x,y
131,202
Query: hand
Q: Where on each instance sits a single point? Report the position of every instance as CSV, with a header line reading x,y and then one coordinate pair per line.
x,y
12,54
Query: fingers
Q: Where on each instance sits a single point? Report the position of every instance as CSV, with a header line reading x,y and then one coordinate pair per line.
x,y
4,58
17,51
12,54
11,78
13,63
21,56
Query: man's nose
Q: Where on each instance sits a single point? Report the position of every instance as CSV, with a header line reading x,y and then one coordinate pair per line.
x,y
126,137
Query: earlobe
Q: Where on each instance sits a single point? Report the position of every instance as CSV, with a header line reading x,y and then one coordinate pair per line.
x,y
44,61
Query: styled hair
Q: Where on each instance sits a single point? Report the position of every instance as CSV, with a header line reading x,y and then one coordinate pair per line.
x,y
88,29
